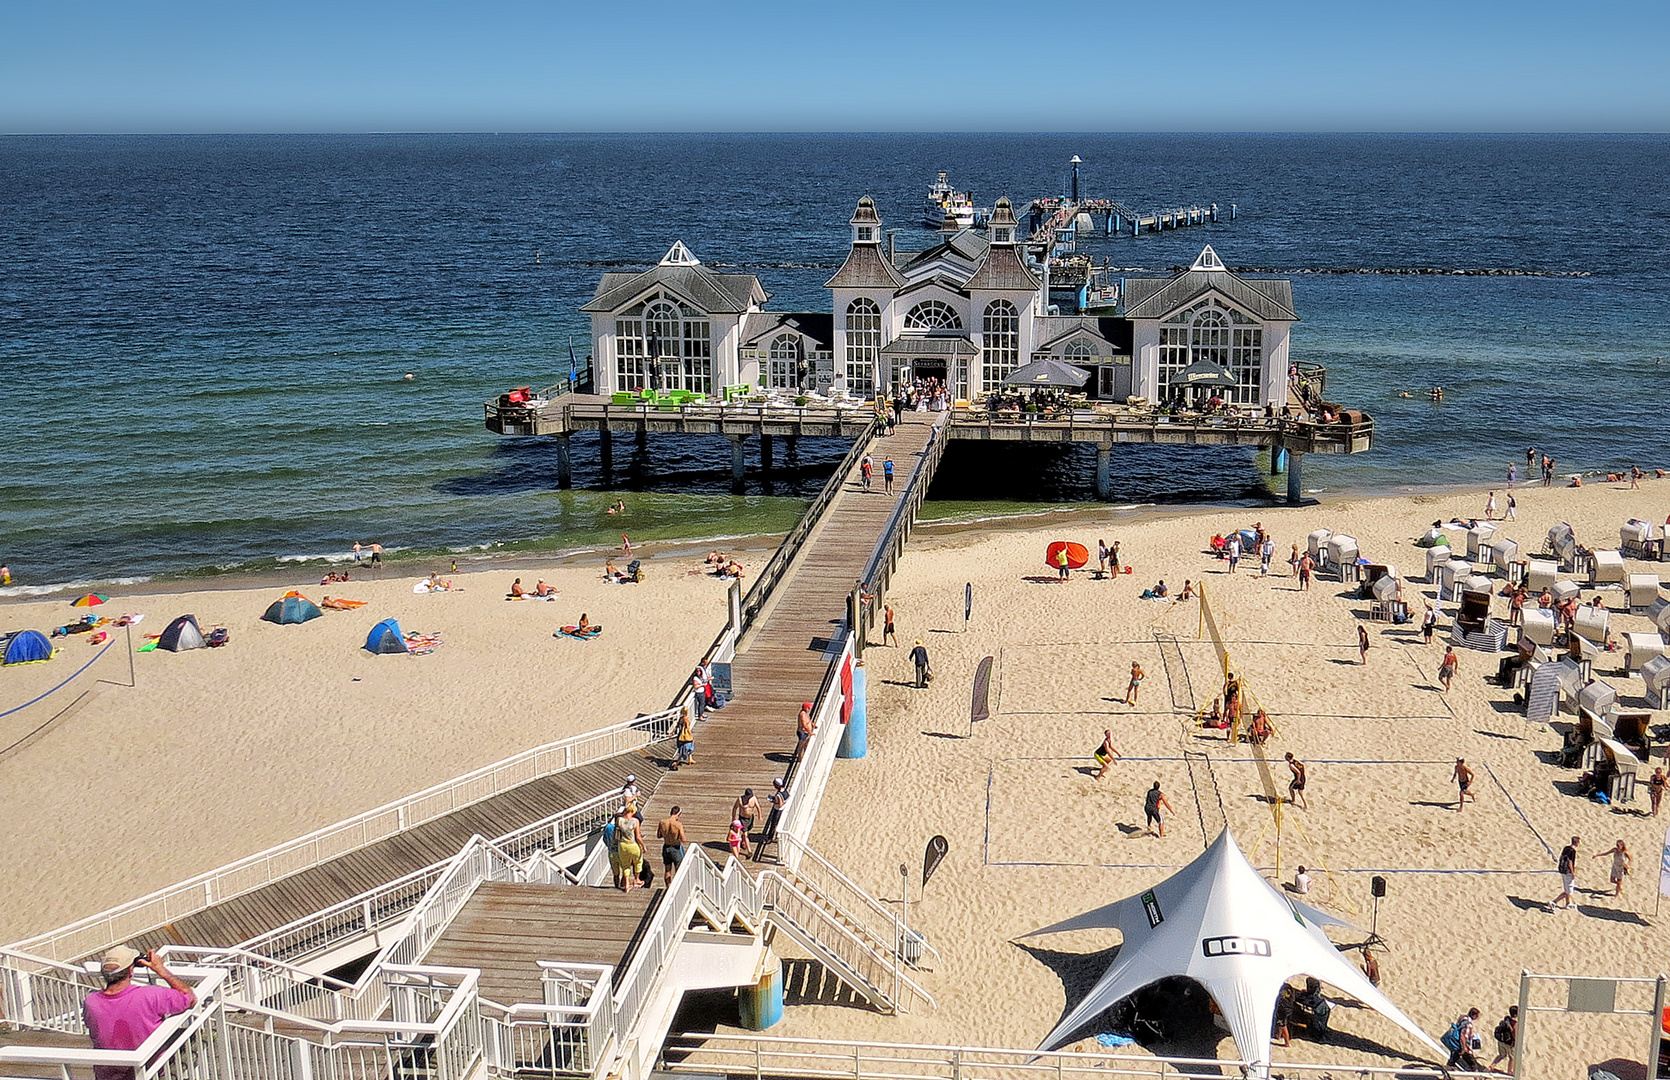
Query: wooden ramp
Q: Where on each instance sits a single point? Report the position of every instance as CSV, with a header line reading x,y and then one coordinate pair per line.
x,y
506,928
783,660
314,889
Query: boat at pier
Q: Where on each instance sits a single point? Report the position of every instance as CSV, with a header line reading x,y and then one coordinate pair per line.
x,y
946,205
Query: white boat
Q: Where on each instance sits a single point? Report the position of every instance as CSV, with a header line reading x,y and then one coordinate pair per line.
x,y
948,206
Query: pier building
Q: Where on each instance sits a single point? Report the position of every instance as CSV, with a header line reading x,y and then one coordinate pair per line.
x,y
968,310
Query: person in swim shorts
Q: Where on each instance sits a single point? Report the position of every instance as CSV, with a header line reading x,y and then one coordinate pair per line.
x,y
1152,803
671,833
1296,786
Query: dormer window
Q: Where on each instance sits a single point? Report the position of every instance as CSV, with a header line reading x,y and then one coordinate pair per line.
x,y
866,234
1003,236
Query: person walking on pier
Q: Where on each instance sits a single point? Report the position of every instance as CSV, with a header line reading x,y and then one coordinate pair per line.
x,y
924,672
887,475
746,809
804,728
865,469
671,833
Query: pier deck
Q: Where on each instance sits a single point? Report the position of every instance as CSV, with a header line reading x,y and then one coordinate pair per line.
x,y
506,928
784,658
308,891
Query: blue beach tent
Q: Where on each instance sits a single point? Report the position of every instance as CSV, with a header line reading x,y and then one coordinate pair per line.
x,y
385,637
26,647
292,608
182,634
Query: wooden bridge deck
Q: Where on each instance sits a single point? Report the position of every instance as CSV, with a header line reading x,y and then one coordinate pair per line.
x,y
782,661
505,929
305,892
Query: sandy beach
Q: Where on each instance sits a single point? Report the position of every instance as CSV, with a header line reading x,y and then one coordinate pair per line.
x,y
1035,839
216,754
201,762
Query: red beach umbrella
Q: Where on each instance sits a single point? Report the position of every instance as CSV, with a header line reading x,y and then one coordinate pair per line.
x,y
92,599
1077,555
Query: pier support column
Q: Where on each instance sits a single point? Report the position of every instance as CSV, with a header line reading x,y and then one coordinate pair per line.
x,y
643,438
606,450
1295,487
1104,471
765,453
738,463
761,1005
565,463
1278,460
855,739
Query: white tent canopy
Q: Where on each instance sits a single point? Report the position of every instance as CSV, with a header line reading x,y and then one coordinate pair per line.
x,y
1218,921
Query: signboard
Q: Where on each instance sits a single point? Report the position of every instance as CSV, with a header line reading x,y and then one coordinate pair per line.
x,y
1151,907
937,847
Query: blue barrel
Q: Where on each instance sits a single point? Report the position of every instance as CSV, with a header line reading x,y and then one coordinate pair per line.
x,y
855,740
761,1005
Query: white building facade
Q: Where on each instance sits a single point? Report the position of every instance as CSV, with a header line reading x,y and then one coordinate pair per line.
x,y
968,310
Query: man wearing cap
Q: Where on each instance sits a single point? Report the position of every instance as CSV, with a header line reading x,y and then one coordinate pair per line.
x,y
919,657
123,1014
629,795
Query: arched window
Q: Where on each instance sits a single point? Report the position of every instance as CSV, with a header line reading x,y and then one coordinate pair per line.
x,y
1001,341
783,363
933,315
1223,337
668,346
1078,350
863,346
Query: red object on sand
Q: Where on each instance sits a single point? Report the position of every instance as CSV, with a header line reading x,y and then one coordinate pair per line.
x,y
1077,555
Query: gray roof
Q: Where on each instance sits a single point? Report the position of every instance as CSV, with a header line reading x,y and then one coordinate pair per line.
x,y
817,325
1002,268
1270,299
941,344
865,268
1076,326
708,290
967,245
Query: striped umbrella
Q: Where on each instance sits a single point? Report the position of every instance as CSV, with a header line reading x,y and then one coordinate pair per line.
x,y
92,599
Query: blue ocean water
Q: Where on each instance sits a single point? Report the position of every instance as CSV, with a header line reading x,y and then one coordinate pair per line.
x,y
204,337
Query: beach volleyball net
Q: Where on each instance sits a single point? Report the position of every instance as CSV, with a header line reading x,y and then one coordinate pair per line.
x,y
1282,839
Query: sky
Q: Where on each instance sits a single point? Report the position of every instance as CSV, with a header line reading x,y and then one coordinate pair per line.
x,y
102,66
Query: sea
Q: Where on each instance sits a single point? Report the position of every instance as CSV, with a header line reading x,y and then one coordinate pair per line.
x,y
205,340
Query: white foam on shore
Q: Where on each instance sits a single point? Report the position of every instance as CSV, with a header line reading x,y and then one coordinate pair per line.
x,y
80,585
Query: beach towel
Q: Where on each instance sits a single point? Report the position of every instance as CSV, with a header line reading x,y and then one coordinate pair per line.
x,y
578,634
341,605
1113,1038
422,644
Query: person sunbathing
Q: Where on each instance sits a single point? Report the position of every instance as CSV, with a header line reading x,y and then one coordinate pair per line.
x,y
1188,590
584,625
543,590
516,590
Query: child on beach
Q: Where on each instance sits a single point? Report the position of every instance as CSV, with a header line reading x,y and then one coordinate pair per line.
x,y
736,838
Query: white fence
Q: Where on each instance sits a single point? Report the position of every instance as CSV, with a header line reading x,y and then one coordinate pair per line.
x,y
93,934
763,1056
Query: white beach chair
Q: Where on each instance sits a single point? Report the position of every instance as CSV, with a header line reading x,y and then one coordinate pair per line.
x,y
1537,626
1540,574
1591,624
1640,648
1656,674
1607,568
1643,591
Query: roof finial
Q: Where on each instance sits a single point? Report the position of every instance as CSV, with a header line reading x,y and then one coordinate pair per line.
x,y
1208,260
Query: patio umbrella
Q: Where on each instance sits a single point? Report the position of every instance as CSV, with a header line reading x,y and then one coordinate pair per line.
x,y
1206,373
1077,555
92,599
1049,373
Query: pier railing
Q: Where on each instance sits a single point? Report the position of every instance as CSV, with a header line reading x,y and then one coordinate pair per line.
x,y
784,556
765,1056
92,934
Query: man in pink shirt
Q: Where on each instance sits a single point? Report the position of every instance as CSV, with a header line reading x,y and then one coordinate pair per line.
x,y
123,1014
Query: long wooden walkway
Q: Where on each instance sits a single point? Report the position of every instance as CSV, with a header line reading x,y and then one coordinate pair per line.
x,y
505,929
783,660
308,891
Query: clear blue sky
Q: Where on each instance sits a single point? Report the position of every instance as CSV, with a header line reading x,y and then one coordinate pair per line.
x,y
513,65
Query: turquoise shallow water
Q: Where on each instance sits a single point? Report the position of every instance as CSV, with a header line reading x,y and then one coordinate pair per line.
x,y
204,338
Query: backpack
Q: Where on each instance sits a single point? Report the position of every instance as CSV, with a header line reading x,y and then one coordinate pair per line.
x,y
1504,1032
610,841
1452,1038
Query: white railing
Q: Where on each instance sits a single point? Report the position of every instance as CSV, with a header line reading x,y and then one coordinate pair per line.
x,y
569,1033
855,953
763,1056
809,776
39,993
93,934
377,910
178,1030
850,901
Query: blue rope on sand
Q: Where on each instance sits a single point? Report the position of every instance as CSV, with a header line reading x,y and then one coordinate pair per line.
x,y
63,684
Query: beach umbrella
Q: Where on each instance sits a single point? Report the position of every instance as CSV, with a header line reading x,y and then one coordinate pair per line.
x,y
92,599
1077,555
1206,373
1055,373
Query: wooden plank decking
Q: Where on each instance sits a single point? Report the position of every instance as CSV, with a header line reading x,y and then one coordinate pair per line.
x,y
505,929
782,661
305,892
